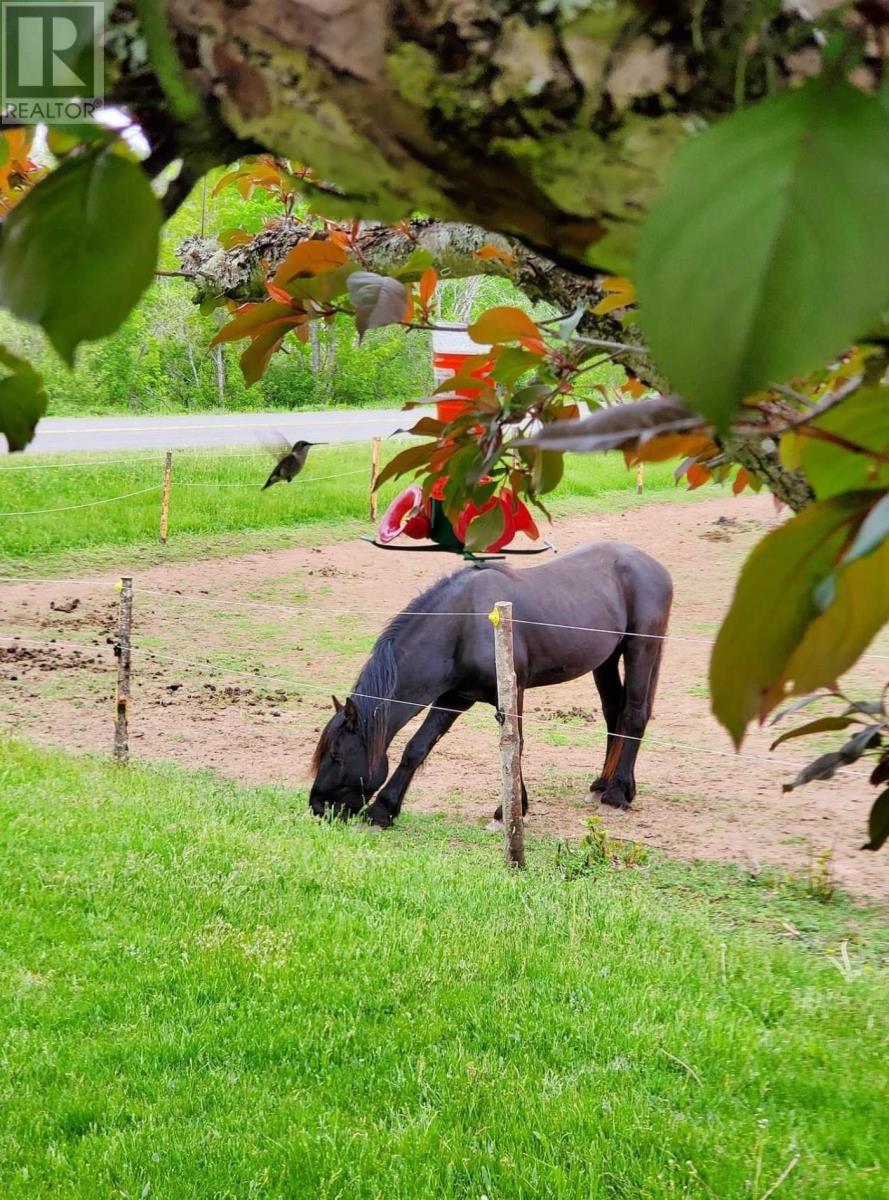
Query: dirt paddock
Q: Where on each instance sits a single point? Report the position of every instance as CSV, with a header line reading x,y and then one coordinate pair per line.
x,y
227,675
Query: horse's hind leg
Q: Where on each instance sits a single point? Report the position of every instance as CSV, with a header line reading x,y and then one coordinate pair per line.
x,y
438,721
642,660
611,692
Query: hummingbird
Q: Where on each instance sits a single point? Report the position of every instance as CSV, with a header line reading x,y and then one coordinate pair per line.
x,y
291,460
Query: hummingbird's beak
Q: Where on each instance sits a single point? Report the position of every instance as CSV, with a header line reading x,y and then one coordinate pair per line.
x,y
317,443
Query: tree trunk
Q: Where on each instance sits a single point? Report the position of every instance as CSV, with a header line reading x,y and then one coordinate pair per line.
x,y
315,346
465,299
219,372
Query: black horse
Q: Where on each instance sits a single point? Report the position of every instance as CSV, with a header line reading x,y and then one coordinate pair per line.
x,y
583,611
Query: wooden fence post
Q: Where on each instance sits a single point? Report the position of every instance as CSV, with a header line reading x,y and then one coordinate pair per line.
x,y
510,741
374,472
165,495
122,650
640,478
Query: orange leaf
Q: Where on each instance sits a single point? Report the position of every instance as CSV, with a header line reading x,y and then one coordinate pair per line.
x,y
230,177
278,293
255,358
569,412
534,344
619,293
339,237
503,324
310,258
428,280
741,481
671,445
696,475
489,252
632,387
409,307
248,319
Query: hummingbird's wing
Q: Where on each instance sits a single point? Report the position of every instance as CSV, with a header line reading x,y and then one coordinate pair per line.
x,y
274,443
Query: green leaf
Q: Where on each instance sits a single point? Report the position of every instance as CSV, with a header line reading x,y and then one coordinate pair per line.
x,y
525,397
80,249
831,468
822,725
485,529
22,400
420,260
209,304
772,609
568,327
878,822
512,363
835,639
547,471
827,765
377,300
872,533
323,287
4,151
750,269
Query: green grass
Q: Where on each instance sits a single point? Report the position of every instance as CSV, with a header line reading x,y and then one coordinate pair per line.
x,y
206,995
208,520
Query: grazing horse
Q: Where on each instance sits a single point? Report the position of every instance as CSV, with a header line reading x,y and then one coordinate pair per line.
x,y
583,611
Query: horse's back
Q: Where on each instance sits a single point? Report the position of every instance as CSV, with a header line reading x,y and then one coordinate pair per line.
x,y
572,612
595,572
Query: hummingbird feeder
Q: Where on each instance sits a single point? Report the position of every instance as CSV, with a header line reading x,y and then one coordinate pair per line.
x,y
419,519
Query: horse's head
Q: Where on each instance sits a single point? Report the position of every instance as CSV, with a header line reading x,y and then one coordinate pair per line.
x,y
350,763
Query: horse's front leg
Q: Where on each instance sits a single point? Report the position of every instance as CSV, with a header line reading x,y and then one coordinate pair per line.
x,y
438,721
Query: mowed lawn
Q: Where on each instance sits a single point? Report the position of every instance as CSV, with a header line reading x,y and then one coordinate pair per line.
x,y
207,994
48,509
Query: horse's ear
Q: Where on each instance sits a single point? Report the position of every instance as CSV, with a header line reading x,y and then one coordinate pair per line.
x,y
337,707
351,713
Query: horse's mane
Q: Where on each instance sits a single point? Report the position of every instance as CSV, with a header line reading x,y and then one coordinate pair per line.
x,y
378,679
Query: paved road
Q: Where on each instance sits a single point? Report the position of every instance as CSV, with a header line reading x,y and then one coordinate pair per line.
x,y
56,435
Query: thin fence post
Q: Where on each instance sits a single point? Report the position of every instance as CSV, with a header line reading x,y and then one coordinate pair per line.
x,y
374,472
122,650
510,740
165,496
640,478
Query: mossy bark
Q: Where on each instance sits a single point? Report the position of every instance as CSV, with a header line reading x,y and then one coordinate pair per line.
x,y
553,122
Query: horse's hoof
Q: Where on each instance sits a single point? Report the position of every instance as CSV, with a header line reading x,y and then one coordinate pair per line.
x,y
494,826
379,817
615,798
599,785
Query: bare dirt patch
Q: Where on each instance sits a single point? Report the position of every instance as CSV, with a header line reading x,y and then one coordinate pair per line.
x,y
235,660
